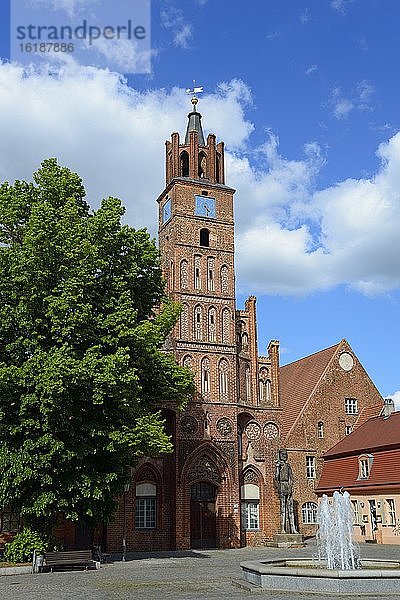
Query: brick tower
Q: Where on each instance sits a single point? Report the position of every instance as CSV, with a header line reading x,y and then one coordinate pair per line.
x,y
196,237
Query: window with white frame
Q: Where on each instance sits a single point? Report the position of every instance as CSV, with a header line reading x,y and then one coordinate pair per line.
x,y
348,429
310,467
250,506
320,429
391,511
309,513
351,406
364,466
146,505
356,511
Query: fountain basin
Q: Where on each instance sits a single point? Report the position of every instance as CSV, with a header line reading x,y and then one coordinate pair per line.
x,y
375,578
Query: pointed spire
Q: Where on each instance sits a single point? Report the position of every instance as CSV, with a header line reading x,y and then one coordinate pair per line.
x,y
194,123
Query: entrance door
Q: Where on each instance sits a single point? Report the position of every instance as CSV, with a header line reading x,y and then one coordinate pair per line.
x,y
83,536
203,533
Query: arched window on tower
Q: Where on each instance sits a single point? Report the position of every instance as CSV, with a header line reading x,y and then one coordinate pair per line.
x,y
187,361
198,323
202,165
265,385
185,322
197,275
245,342
184,274
211,324
223,379
205,376
224,279
210,274
204,237
184,164
226,326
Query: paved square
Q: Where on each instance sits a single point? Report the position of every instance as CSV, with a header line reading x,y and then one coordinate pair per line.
x,y
191,575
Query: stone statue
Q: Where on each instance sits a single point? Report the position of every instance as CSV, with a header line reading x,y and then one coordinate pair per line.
x,y
284,482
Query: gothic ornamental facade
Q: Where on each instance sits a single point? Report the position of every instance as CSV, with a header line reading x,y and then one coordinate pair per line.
x,y
217,488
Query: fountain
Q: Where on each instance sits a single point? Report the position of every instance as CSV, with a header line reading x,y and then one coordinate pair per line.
x,y
336,547
337,567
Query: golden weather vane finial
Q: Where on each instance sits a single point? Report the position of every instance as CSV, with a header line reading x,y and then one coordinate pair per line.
x,y
193,92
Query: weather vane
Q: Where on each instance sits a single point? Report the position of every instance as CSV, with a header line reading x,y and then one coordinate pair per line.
x,y
193,93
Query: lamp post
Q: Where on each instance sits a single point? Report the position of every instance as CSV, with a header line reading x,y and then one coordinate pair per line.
x,y
127,487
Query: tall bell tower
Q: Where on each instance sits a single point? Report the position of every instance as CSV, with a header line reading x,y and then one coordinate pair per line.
x,y
196,239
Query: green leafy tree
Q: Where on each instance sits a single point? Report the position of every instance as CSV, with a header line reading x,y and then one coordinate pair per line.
x,y
83,315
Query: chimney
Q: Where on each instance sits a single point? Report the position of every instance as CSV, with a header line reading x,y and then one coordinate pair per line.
x,y
388,408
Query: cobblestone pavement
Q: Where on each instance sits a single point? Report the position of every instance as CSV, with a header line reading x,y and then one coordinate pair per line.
x,y
192,575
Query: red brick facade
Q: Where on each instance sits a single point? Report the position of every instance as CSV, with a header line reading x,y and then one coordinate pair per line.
x,y
247,406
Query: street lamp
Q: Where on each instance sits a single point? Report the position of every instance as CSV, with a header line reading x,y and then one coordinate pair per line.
x,y
127,487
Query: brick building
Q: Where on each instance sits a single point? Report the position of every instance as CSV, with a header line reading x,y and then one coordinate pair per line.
x,y
367,465
217,488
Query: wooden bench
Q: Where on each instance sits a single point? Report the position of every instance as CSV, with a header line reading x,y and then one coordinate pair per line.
x,y
73,558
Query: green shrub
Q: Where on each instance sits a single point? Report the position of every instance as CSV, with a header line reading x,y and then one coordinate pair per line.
x,y
21,549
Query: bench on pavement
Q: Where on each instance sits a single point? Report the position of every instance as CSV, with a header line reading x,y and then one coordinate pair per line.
x,y
73,558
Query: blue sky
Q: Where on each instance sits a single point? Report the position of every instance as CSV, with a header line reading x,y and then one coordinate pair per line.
x,y
305,94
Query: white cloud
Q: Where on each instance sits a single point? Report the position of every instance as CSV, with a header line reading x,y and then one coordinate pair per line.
x,y
183,36
71,7
360,99
291,237
396,398
340,5
305,15
311,69
172,18
111,134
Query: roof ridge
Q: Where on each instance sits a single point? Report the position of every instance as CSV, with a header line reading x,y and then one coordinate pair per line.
x,y
312,354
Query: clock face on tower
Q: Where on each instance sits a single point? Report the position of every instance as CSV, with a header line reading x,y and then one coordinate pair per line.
x,y
166,210
205,207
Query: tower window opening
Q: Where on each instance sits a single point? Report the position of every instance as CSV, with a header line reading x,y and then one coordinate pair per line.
x,y
210,274
217,168
202,171
204,237
184,164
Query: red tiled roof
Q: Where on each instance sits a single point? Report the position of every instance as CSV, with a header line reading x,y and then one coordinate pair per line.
x,y
379,432
297,382
368,412
343,472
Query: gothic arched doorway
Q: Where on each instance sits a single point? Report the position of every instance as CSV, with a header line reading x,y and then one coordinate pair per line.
x,y
203,531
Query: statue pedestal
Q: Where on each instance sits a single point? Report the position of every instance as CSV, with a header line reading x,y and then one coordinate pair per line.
x,y
288,540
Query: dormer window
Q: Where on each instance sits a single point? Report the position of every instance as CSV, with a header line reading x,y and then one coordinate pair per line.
x,y
364,466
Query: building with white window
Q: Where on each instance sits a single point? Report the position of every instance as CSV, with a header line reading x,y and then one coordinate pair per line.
x,y
366,463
